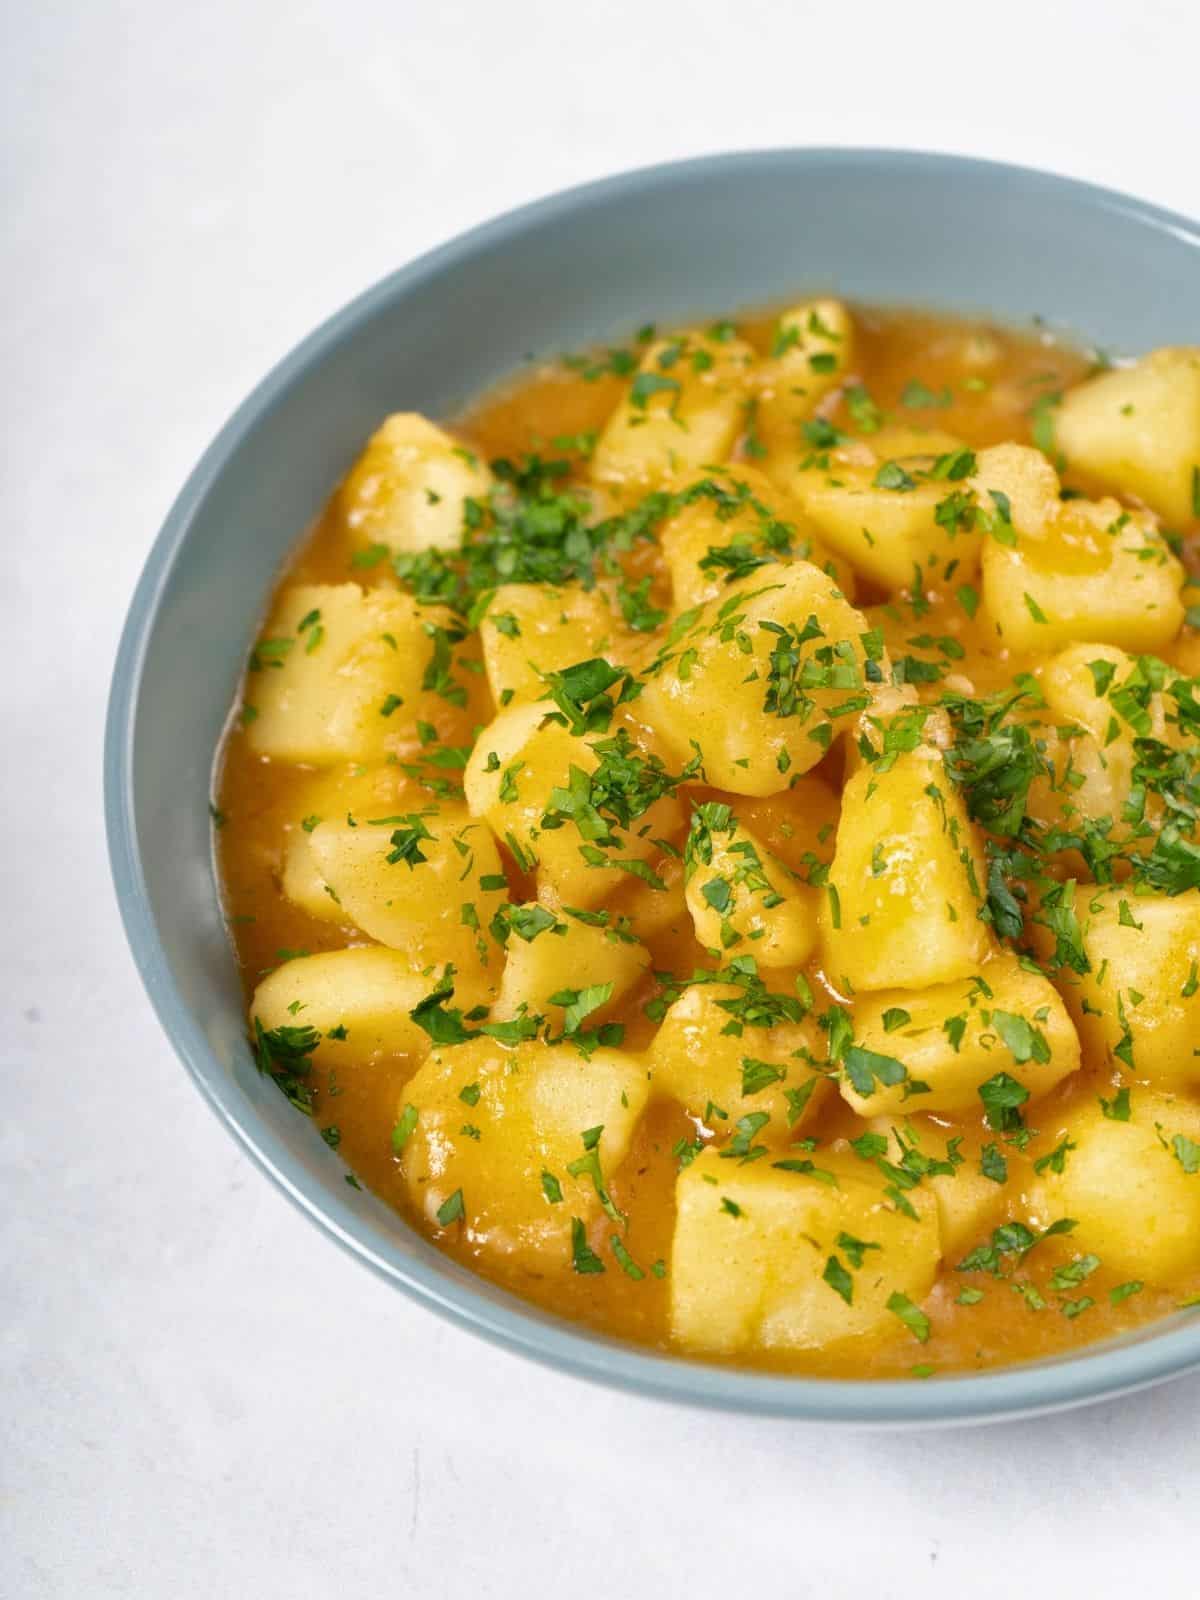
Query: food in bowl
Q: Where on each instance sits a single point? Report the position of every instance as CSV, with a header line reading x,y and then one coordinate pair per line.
x,y
710,837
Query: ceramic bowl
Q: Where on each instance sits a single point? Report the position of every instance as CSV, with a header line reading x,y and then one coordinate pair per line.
x,y
668,243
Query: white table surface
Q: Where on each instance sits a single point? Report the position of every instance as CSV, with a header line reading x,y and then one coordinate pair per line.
x,y
201,1397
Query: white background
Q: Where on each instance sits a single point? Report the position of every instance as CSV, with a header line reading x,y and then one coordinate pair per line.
x,y
201,1397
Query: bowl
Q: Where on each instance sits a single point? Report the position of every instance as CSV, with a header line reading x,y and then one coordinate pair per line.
x,y
667,243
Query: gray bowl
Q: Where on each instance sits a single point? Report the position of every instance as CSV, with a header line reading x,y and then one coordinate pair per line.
x,y
700,237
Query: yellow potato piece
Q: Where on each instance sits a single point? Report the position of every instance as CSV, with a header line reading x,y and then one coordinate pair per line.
x,y
339,675
750,1258
367,991
530,1108
886,514
518,762
531,629
969,1203
409,488
381,791
720,1075
764,679
303,884
1138,429
408,880
1090,736
683,409
812,353
734,516
1057,571
1131,1188
740,897
906,881
1003,1003
563,954
1141,996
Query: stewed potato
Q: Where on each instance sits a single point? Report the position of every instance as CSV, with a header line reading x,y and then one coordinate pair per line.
x,y
952,1039
726,1052
426,882
517,1147
811,352
762,680
732,520
410,488
1056,571
343,673
579,812
1138,429
739,894
906,885
683,409
1137,1001
531,630
799,1257
547,950
1130,1179
890,515
360,1000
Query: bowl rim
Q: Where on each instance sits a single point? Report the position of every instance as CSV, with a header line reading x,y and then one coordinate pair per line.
x,y
1096,1372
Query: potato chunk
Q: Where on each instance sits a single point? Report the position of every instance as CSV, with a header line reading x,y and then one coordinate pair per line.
x,y
367,991
968,1201
1110,693
1056,571
1139,1004
888,516
1099,700
1132,1186
682,410
958,1035
498,1131
527,767
531,629
408,881
731,518
765,1259
382,791
1138,430
721,1075
340,675
811,354
409,487
739,895
763,679
906,881
555,954
303,884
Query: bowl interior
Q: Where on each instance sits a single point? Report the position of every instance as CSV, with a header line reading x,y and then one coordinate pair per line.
x,y
698,238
